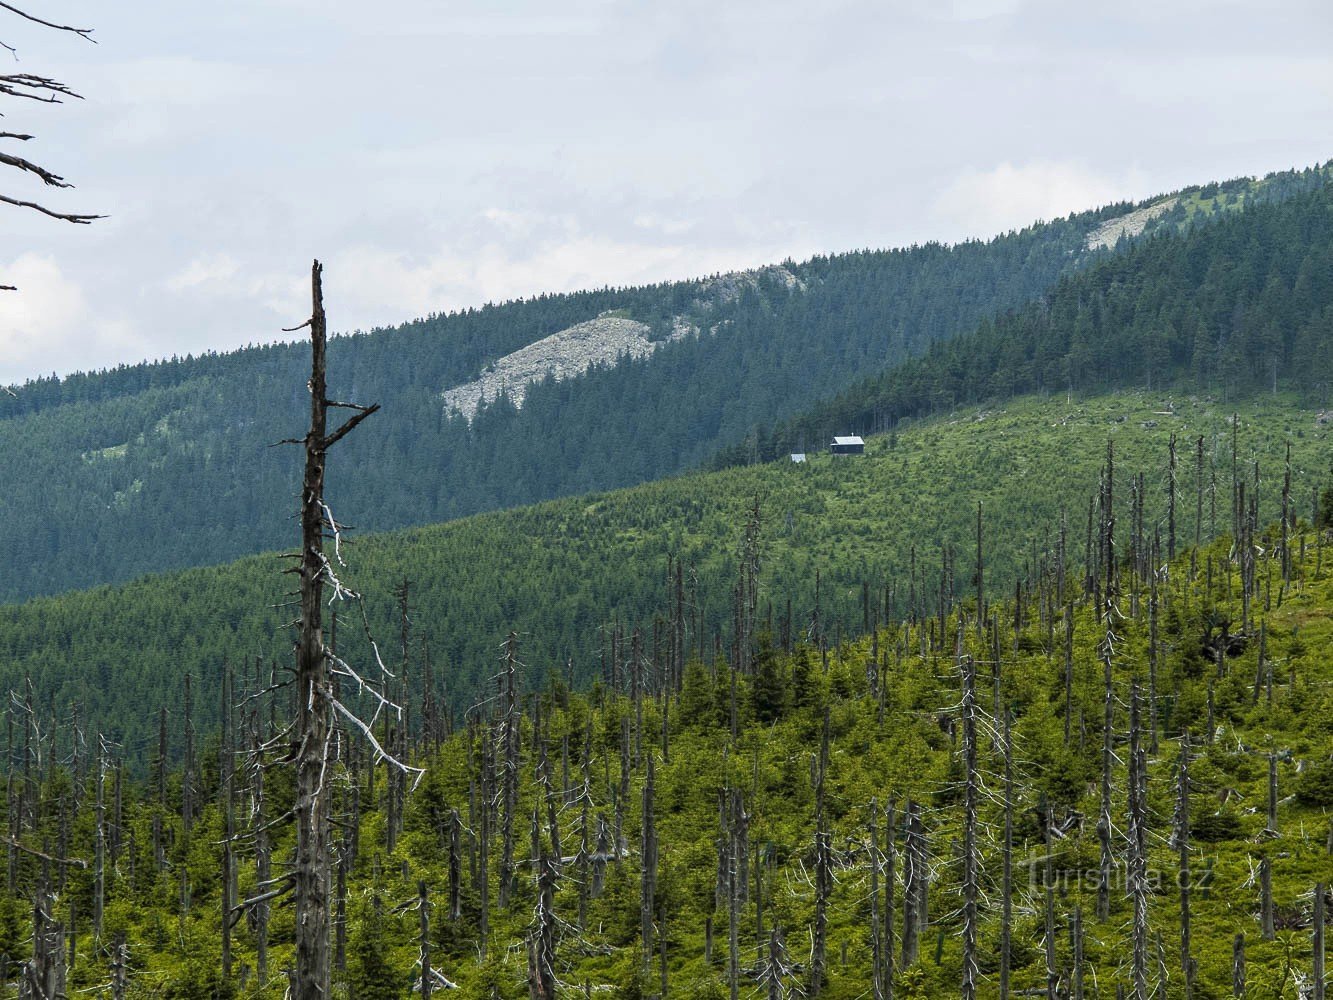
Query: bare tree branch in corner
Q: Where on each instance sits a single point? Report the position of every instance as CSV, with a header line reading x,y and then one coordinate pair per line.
x,y
43,90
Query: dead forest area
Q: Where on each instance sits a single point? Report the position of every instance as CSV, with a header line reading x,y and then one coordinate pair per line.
x,y
1115,783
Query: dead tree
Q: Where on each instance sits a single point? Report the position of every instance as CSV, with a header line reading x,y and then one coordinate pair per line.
x,y
25,87
1007,871
1181,838
823,871
1238,966
43,976
876,935
1318,942
648,870
1137,853
508,747
426,982
971,793
541,939
1266,915
915,878
316,666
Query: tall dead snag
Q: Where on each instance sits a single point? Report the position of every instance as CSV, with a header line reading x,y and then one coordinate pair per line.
x,y
1109,612
1266,915
1181,841
648,873
315,704
1007,872
1137,854
1318,942
508,747
971,865
876,937
43,976
823,871
915,880
541,939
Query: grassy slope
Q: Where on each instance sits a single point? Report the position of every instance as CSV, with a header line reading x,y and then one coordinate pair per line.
x,y
559,571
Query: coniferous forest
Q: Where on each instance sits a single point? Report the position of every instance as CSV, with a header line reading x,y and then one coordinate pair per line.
x,y
1116,780
1031,699
162,466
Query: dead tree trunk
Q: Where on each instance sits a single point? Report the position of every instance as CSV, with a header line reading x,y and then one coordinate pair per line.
x,y
427,981
971,793
1266,920
1318,941
1238,966
648,880
823,872
314,704
1137,853
1181,836
1007,872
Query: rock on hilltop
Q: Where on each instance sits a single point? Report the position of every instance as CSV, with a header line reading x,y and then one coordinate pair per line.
x,y
570,352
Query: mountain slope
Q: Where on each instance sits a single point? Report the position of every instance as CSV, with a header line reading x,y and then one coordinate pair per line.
x,y
800,803
160,466
1241,305
560,574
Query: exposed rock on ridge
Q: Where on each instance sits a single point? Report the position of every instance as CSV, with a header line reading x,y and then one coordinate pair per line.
x,y
561,355
1105,236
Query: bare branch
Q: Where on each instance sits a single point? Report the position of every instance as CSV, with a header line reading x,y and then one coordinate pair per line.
x,y
81,32
63,216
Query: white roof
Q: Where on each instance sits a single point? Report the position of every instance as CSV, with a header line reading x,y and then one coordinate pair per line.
x,y
798,456
848,440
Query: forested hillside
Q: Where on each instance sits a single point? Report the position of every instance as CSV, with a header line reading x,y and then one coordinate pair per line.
x,y
167,465
1117,782
1242,305
579,577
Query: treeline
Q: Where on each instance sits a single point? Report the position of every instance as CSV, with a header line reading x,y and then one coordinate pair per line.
x,y
1242,305
154,467
1117,781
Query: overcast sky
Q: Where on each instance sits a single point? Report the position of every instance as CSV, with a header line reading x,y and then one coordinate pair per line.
x,y
439,155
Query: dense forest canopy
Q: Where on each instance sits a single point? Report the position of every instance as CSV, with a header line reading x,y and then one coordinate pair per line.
x,y
159,466
1240,306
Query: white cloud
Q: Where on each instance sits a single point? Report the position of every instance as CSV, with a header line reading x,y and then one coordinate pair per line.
x,y
210,273
49,321
985,202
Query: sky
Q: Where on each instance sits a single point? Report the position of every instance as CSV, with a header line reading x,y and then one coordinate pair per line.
x,y
441,155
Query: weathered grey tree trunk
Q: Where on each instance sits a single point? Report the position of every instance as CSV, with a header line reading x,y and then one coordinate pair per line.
x,y
1007,862
509,763
1238,966
1137,853
311,870
971,794
1266,920
1318,942
1076,935
648,879
823,872
423,940
1181,836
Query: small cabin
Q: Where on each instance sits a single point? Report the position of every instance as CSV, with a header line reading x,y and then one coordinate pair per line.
x,y
850,445
798,457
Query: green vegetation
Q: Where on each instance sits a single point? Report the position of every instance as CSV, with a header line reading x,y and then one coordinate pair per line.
x,y
194,433
1238,307
894,737
563,572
